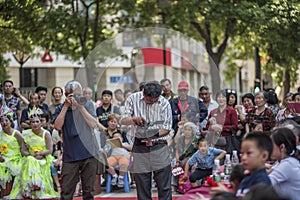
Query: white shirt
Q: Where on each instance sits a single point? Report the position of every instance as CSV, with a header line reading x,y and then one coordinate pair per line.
x,y
285,178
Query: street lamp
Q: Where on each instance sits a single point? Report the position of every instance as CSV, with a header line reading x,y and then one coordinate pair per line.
x,y
21,58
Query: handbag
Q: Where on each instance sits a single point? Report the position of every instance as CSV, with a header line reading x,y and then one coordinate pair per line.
x,y
233,142
214,138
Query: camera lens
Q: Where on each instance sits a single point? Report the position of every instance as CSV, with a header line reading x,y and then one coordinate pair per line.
x,y
80,99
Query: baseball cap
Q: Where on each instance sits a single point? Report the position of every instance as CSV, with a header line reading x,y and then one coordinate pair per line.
x,y
183,85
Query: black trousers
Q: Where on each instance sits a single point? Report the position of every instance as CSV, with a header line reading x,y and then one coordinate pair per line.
x,y
199,174
162,178
86,169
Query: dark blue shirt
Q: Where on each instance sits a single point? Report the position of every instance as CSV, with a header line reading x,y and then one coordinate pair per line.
x,y
78,140
260,176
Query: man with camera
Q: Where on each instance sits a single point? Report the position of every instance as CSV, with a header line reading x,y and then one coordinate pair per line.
x,y
76,118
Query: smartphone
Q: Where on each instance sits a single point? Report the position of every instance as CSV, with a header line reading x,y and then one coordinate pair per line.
x,y
294,106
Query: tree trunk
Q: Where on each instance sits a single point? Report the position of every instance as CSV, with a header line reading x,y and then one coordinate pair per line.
x,y
214,74
286,80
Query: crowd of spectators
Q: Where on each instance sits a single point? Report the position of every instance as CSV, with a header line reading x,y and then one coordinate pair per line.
x,y
38,158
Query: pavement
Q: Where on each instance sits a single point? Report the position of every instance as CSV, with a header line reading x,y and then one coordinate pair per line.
x,y
120,193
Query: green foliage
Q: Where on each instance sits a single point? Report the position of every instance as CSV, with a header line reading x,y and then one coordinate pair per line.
x,y
280,36
231,71
228,29
3,73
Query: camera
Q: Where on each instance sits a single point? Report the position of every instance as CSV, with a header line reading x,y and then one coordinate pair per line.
x,y
80,99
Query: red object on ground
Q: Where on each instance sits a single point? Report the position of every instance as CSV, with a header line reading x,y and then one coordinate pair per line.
x,y
202,190
210,181
115,198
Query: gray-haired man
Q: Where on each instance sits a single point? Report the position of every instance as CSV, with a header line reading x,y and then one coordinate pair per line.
x,y
75,117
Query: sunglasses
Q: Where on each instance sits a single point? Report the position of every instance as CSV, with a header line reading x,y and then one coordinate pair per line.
x,y
231,91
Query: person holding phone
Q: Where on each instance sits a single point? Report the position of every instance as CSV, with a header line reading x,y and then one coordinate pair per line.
x,y
292,107
284,112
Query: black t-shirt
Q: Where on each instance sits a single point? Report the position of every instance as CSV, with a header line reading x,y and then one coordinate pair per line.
x,y
102,114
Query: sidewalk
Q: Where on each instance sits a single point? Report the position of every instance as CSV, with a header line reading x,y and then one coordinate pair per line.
x,y
121,193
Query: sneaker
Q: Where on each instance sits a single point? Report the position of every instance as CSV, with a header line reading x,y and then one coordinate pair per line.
x,y
114,180
153,183
132,184
121,182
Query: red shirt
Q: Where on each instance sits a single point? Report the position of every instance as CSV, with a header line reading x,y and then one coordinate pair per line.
x,y
228,118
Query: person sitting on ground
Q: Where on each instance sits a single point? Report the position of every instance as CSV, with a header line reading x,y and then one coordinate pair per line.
x,y
204,158
255,151
185,147
187,143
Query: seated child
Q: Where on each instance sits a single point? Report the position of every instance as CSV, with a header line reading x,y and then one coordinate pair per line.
x,y
255,151
204,158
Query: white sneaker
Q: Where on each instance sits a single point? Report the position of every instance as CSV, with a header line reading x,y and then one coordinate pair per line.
x,y
114,180
121,182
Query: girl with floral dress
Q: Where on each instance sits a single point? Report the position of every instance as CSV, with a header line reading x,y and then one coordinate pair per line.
x,y
37,149
10,150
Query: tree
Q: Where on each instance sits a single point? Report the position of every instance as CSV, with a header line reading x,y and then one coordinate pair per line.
x,y
213,22
69,27
18,23
280,36
75,28
3,73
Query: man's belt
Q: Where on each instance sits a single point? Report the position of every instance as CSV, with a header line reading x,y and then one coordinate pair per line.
x,y
150,141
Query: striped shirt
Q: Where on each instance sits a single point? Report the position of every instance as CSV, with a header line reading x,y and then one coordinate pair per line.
x,y
149,158
135,106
